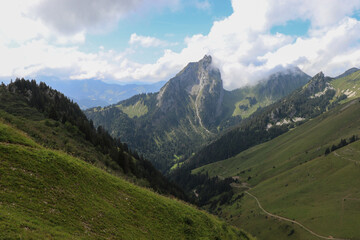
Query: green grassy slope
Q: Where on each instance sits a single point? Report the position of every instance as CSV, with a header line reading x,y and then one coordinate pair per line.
x,y
323,194
295,147
55,122
293,178
47,194
246,100
348,85
238,102
136,110
245,212
52,134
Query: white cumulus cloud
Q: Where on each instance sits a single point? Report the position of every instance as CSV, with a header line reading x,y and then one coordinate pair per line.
x,y
245,50
242,44
147,41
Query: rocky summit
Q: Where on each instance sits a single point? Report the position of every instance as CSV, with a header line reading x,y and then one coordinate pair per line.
x,y
199,84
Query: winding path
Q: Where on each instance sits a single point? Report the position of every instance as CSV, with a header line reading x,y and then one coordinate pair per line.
x,y
351,160
292,221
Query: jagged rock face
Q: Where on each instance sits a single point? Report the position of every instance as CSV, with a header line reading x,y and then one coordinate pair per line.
x,y
199,84
317,84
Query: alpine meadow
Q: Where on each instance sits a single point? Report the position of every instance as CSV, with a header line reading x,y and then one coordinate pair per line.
x,y
180,119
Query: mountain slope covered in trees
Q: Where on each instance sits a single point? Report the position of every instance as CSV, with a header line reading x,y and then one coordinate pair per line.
x,y
55,122
191,108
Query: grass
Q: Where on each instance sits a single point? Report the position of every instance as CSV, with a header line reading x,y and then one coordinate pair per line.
x,y
349,84
51,134
176,165
236,98
137,110
48,194
245,212
292,148
293,178
323,194
13,136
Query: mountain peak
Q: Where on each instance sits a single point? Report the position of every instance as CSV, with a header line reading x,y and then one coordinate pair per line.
x,y
193,78
319,75
317,84
296,70
198,83
206,60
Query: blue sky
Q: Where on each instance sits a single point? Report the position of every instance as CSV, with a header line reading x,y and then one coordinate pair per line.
x,y
151,40
296,27
169,25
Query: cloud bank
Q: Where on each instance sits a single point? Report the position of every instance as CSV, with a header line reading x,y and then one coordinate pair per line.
x,y
242,44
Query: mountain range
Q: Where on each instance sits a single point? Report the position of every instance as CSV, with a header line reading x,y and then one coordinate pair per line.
x,y
259,139
189,110
279,159
93,93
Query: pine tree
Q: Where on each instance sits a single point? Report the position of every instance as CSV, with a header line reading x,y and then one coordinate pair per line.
x,y
327,151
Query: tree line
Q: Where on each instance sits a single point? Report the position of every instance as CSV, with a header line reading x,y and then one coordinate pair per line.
x,y
53,104
342,143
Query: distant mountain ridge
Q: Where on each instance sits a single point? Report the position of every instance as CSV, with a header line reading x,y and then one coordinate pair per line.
x,y
189,110
348,72
93,93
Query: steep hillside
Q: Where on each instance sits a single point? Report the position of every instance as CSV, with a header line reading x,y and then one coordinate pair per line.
x,y
348,86
317,96
292,177
172,122
245,101
313,99
53,121
191,108
48,194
